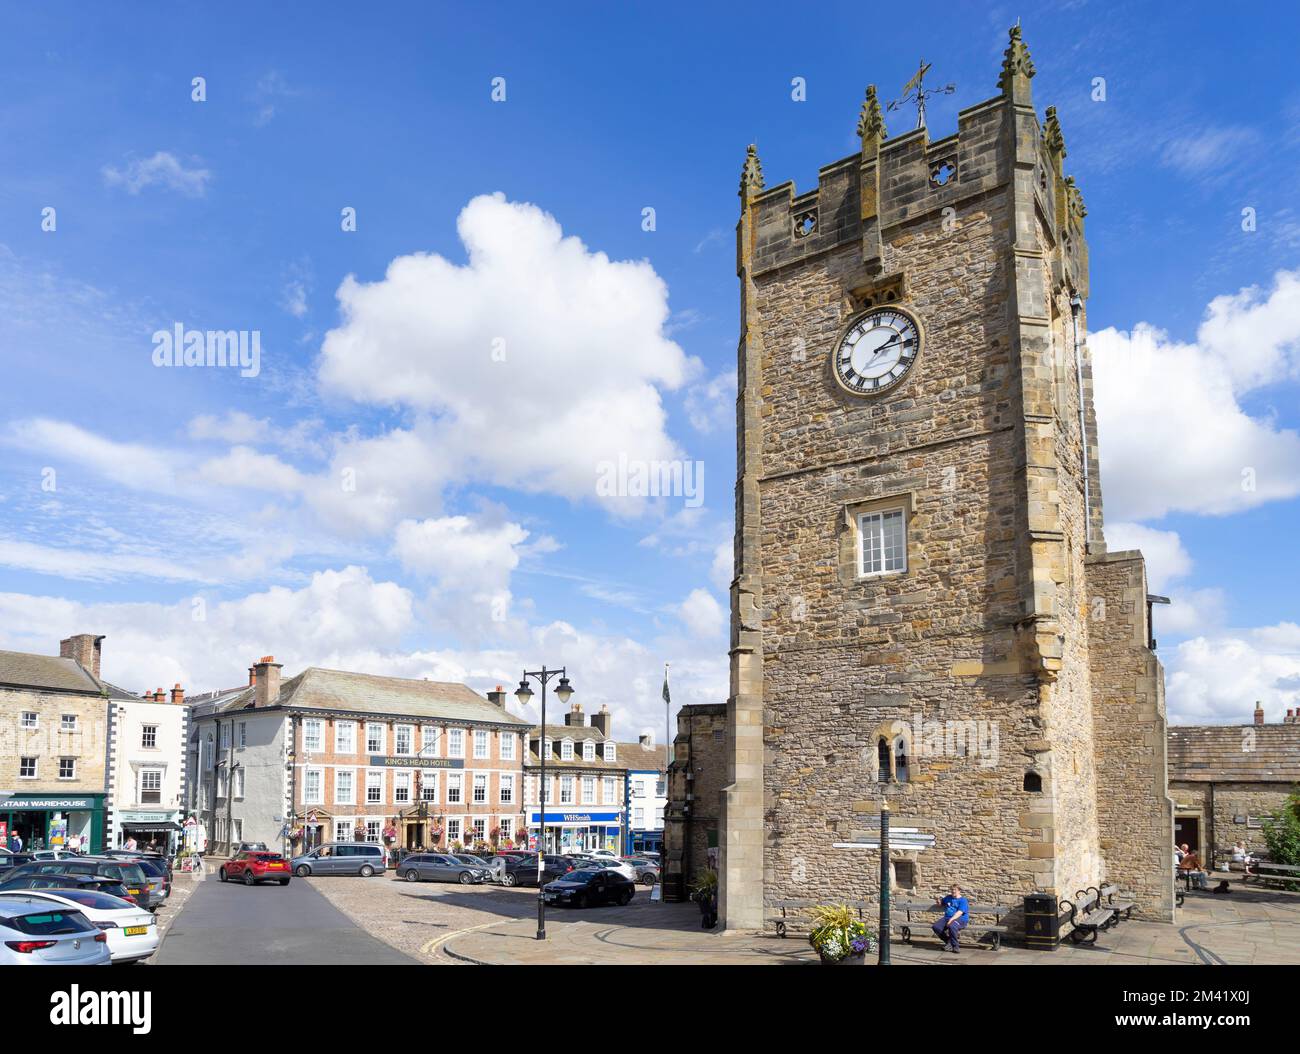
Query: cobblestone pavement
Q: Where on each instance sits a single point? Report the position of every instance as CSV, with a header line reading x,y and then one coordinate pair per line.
x,y
418,918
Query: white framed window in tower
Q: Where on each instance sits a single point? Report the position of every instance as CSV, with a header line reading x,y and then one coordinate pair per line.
x,y
882,541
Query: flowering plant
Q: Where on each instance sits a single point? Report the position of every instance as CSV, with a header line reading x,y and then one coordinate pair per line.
x,y
838,933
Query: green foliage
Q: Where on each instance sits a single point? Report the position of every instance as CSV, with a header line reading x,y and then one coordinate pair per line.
x,y
704,885
838,932
1282,833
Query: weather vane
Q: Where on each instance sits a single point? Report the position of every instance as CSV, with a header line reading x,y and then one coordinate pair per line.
x,y
916,91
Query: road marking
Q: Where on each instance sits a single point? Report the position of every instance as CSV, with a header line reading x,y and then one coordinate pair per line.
x,y
430,948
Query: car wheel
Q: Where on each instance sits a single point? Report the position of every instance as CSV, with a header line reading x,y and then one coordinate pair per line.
x,y
366,871
509,880
249,880
412,876
625,898
466,878
647,880
580,901
222,874
303,871
284,881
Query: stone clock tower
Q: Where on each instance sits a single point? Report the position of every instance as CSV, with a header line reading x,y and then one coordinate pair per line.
x,y
923,608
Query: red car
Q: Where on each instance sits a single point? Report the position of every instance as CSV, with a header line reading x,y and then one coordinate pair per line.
x,y
254,868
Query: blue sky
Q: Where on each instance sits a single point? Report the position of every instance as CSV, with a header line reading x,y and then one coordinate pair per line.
x,y
473,542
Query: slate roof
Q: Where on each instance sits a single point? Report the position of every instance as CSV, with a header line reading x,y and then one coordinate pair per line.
x,y
20,669
1234,753
641,759
366,693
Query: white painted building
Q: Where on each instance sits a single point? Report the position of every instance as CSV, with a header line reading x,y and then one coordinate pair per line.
x,y
146,768
647,794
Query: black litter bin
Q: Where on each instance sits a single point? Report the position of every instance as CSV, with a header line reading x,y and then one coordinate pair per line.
x,y
1042,922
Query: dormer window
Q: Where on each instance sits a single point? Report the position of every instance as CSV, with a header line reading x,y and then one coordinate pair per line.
x,y
609,752
589,751
566,750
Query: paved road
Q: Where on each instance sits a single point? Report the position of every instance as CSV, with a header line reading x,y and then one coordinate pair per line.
x,y
231,924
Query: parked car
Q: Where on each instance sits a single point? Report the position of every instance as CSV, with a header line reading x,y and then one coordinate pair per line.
x,y
606,864
440,867
132,931
523,872
153,863
588,886
341,858
127,872
251,847
605,852
33,933
10,859
647,870
252,868
51,854
91,882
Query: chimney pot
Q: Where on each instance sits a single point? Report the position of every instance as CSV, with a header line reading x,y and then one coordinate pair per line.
x,y
1259,714
178,695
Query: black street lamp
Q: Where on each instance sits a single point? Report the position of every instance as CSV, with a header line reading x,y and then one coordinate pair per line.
x,y
563,691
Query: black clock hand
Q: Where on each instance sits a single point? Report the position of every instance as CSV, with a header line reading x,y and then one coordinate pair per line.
x,y
889,343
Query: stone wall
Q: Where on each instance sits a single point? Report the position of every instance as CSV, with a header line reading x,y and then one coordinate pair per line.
x,y
1218,806
692,817
1133,806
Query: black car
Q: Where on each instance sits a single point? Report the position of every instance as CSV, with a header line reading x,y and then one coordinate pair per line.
x,y
523,870
588,886
128,872
91,882
10,860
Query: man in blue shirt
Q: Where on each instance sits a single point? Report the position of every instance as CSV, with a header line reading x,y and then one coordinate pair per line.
x,y
956,916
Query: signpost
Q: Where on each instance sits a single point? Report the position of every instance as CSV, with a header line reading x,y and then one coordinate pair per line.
x,y
909,838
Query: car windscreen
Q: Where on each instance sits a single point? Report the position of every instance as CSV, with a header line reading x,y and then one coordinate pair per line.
x,y
89,898
51,923
131,874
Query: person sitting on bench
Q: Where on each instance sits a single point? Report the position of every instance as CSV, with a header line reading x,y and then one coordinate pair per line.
x,y
956,917
1191,866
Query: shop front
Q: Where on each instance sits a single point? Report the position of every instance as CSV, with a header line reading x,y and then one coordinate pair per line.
x,y
575,831
159,830
53,821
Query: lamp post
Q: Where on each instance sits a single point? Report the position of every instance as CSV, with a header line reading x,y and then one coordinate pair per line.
x,y
883,958
563,692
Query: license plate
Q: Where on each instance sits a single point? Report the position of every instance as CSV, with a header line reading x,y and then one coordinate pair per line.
x,y
550,898
135,931
135,892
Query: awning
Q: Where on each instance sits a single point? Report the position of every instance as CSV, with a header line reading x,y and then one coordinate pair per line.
x,y
152,827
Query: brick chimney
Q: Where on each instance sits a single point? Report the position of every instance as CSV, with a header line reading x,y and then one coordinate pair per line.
x,y
574,717
267,679
159,695
498,698
601,721
1259,714
178,696
85,648
252,676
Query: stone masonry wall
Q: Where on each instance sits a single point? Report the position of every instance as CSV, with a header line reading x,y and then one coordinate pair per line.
x,y
1134,810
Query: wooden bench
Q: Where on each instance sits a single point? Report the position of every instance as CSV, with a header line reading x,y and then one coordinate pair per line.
x,y
1282,874
1088,916
792,914
976,930
1123,906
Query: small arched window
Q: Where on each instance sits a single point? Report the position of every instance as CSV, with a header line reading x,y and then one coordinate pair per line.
x,y
1033,782
900,760
883,760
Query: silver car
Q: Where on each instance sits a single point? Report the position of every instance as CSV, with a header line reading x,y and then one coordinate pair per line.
x,y
341,858
440,867
38,933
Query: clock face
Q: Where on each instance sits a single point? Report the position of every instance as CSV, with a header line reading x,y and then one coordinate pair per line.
x,y
878,351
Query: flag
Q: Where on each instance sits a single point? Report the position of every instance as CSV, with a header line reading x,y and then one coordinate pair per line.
x,y
667,695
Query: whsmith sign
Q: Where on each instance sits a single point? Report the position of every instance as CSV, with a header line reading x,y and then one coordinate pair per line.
x,y
410,761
